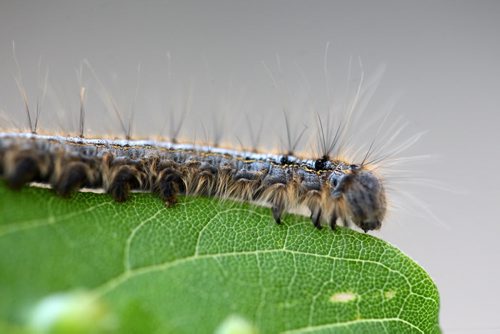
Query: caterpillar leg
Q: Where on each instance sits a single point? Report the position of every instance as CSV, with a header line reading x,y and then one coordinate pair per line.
x,y
276,195
125,179
333,221
24,170
74,176
316,217
312,198
22,167
277,210
170,183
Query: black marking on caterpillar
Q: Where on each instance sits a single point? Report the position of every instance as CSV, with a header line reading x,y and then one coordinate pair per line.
x,y
334,191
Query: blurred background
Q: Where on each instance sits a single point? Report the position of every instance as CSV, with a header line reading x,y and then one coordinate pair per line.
x,y
232,67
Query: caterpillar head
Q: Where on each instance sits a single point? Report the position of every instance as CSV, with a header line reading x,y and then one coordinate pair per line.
x,y
363,194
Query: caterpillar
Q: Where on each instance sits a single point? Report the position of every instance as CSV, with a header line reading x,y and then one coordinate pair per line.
x,y
335,191
330,188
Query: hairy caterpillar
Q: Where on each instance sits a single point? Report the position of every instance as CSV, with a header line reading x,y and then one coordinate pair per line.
x,y
333,189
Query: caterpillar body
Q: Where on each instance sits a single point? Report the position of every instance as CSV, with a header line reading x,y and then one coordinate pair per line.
x,y
332,189
335,191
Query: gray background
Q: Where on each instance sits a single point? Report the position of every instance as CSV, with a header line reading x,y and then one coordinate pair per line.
x,y
442,65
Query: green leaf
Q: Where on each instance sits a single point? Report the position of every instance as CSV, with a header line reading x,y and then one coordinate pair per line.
x,y
195,268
